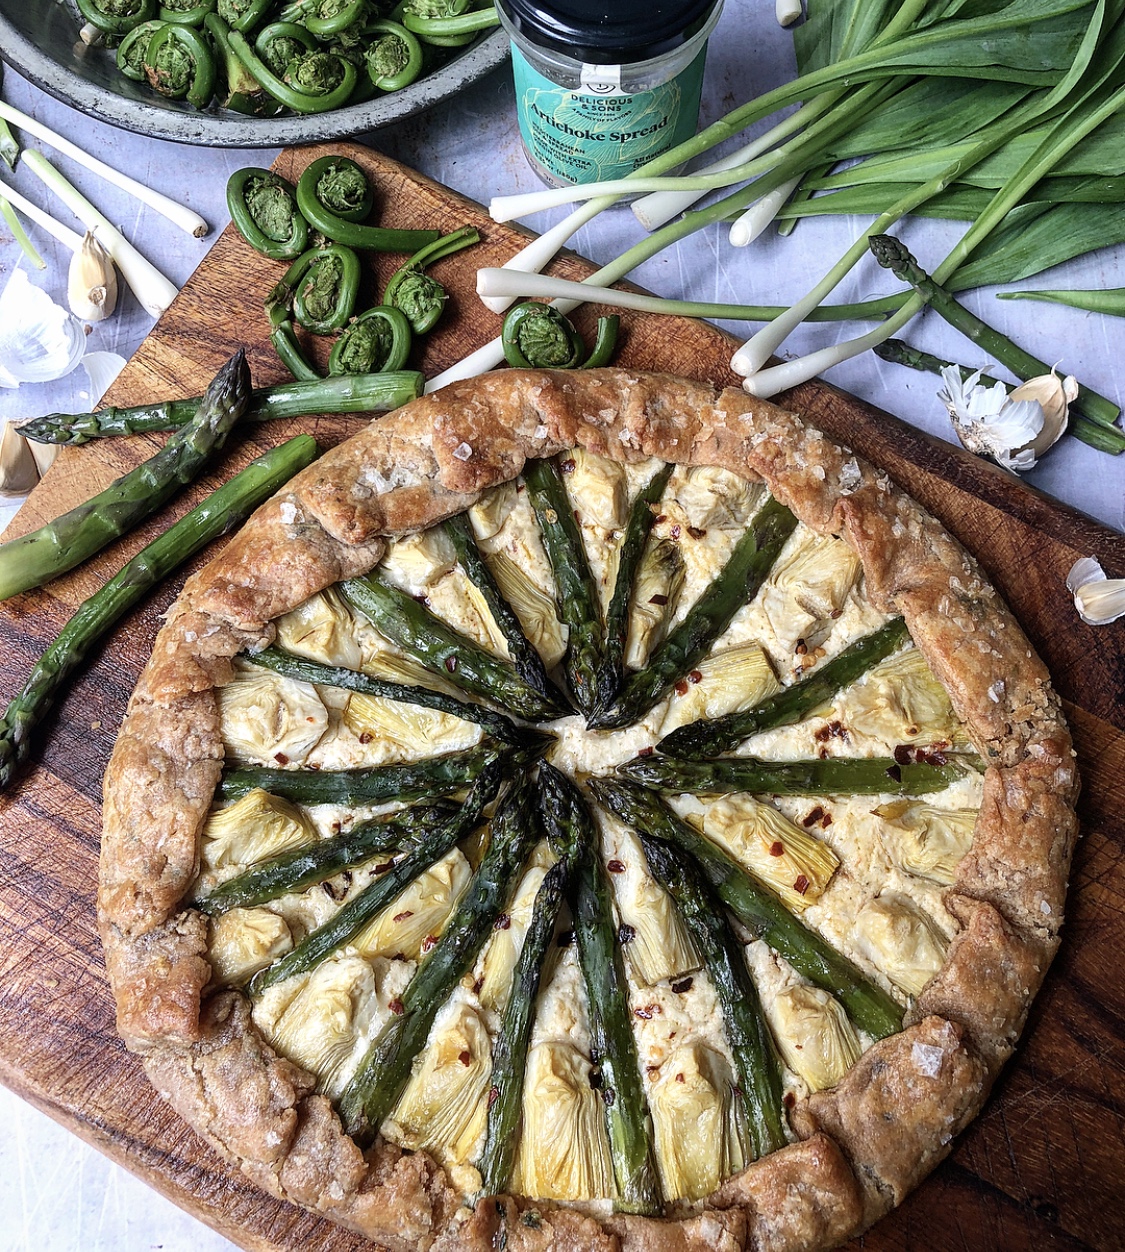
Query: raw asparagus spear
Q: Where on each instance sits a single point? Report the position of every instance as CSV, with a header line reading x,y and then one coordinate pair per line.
x,y
36,558
95,617
831,776
300,868
346,393
751,1047
575,588
444,651
282,662
757,908
414,780
706,738
641,518
613,1046
529,664
319,944
738,581
509,1052
383,1072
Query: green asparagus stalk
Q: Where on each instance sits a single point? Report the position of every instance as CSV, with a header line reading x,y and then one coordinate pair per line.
x,y
706,738
831,776
509,1052
383,1072
757,908
36,558
319,944
893,255
285,663
413,780
529,664
301,867
751,1047
613,1046
444,651
346,393
575,588
735,584
95,617
641,518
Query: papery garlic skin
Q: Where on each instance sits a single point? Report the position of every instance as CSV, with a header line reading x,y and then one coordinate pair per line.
x,y
1098,599
1055,396
39,340
91,286
989,422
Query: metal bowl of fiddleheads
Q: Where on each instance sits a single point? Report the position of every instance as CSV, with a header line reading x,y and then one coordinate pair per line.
x,y
222,77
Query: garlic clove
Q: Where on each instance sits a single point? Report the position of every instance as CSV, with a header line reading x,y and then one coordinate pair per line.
x,y
91,287
1098,599
1054,395
18,471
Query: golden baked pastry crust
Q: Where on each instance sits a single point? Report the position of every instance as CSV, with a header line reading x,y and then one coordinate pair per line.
x,y
863,1144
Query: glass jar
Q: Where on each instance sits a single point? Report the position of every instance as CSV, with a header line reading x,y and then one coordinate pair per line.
x,y
604,87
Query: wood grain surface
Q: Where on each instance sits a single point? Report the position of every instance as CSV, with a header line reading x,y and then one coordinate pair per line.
x,y
1044,1165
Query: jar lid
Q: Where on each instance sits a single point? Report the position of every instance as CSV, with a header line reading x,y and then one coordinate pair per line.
x,y
607,32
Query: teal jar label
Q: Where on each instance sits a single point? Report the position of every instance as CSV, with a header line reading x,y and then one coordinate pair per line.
x,y
599,131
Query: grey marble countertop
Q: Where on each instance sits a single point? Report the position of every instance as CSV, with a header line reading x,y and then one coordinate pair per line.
x,y
56,1193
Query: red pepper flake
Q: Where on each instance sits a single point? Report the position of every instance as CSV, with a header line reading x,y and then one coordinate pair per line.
x,y
777,848
930,758
789,1099
831,730
478,984
696,532
661,517
365,736
675,531
397,1007
682,687
813,817
568,466
644,1014
429,942
696,676
502,922
826,821
577,516
902,754
652,1070
823,754
647,751
801,885
660,600
465,1057
401,917
383,866
615,866
451,664
680,1078
281,758
335,828
682,984
493,1095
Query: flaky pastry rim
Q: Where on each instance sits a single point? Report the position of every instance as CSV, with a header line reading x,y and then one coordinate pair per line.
x,y
861,1145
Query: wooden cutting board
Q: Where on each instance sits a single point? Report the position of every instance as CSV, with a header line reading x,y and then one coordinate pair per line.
x,y
1042,1167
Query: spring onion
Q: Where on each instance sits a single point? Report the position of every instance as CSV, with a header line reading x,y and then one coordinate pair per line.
x,y
20,235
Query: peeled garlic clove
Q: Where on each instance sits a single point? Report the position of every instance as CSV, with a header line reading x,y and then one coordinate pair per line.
x,y
91,288
1098,599
1054,395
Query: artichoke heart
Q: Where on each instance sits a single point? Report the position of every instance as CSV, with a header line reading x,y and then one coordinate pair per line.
x,y
534,607
698,1121
415,562
816,574
491,511
564,1149
715,498
659,580
322,629
384,661
444,1105
256,826
244,941
320,1026
598,487
793,862
813,1035
504,946
900,941
726,682
270,719
409,726
660,946
413,922
902,702
925,840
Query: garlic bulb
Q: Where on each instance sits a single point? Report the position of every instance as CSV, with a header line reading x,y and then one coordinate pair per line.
x,y
91,284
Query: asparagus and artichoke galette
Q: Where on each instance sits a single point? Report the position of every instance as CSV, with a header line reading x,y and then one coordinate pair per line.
x,y
586,810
